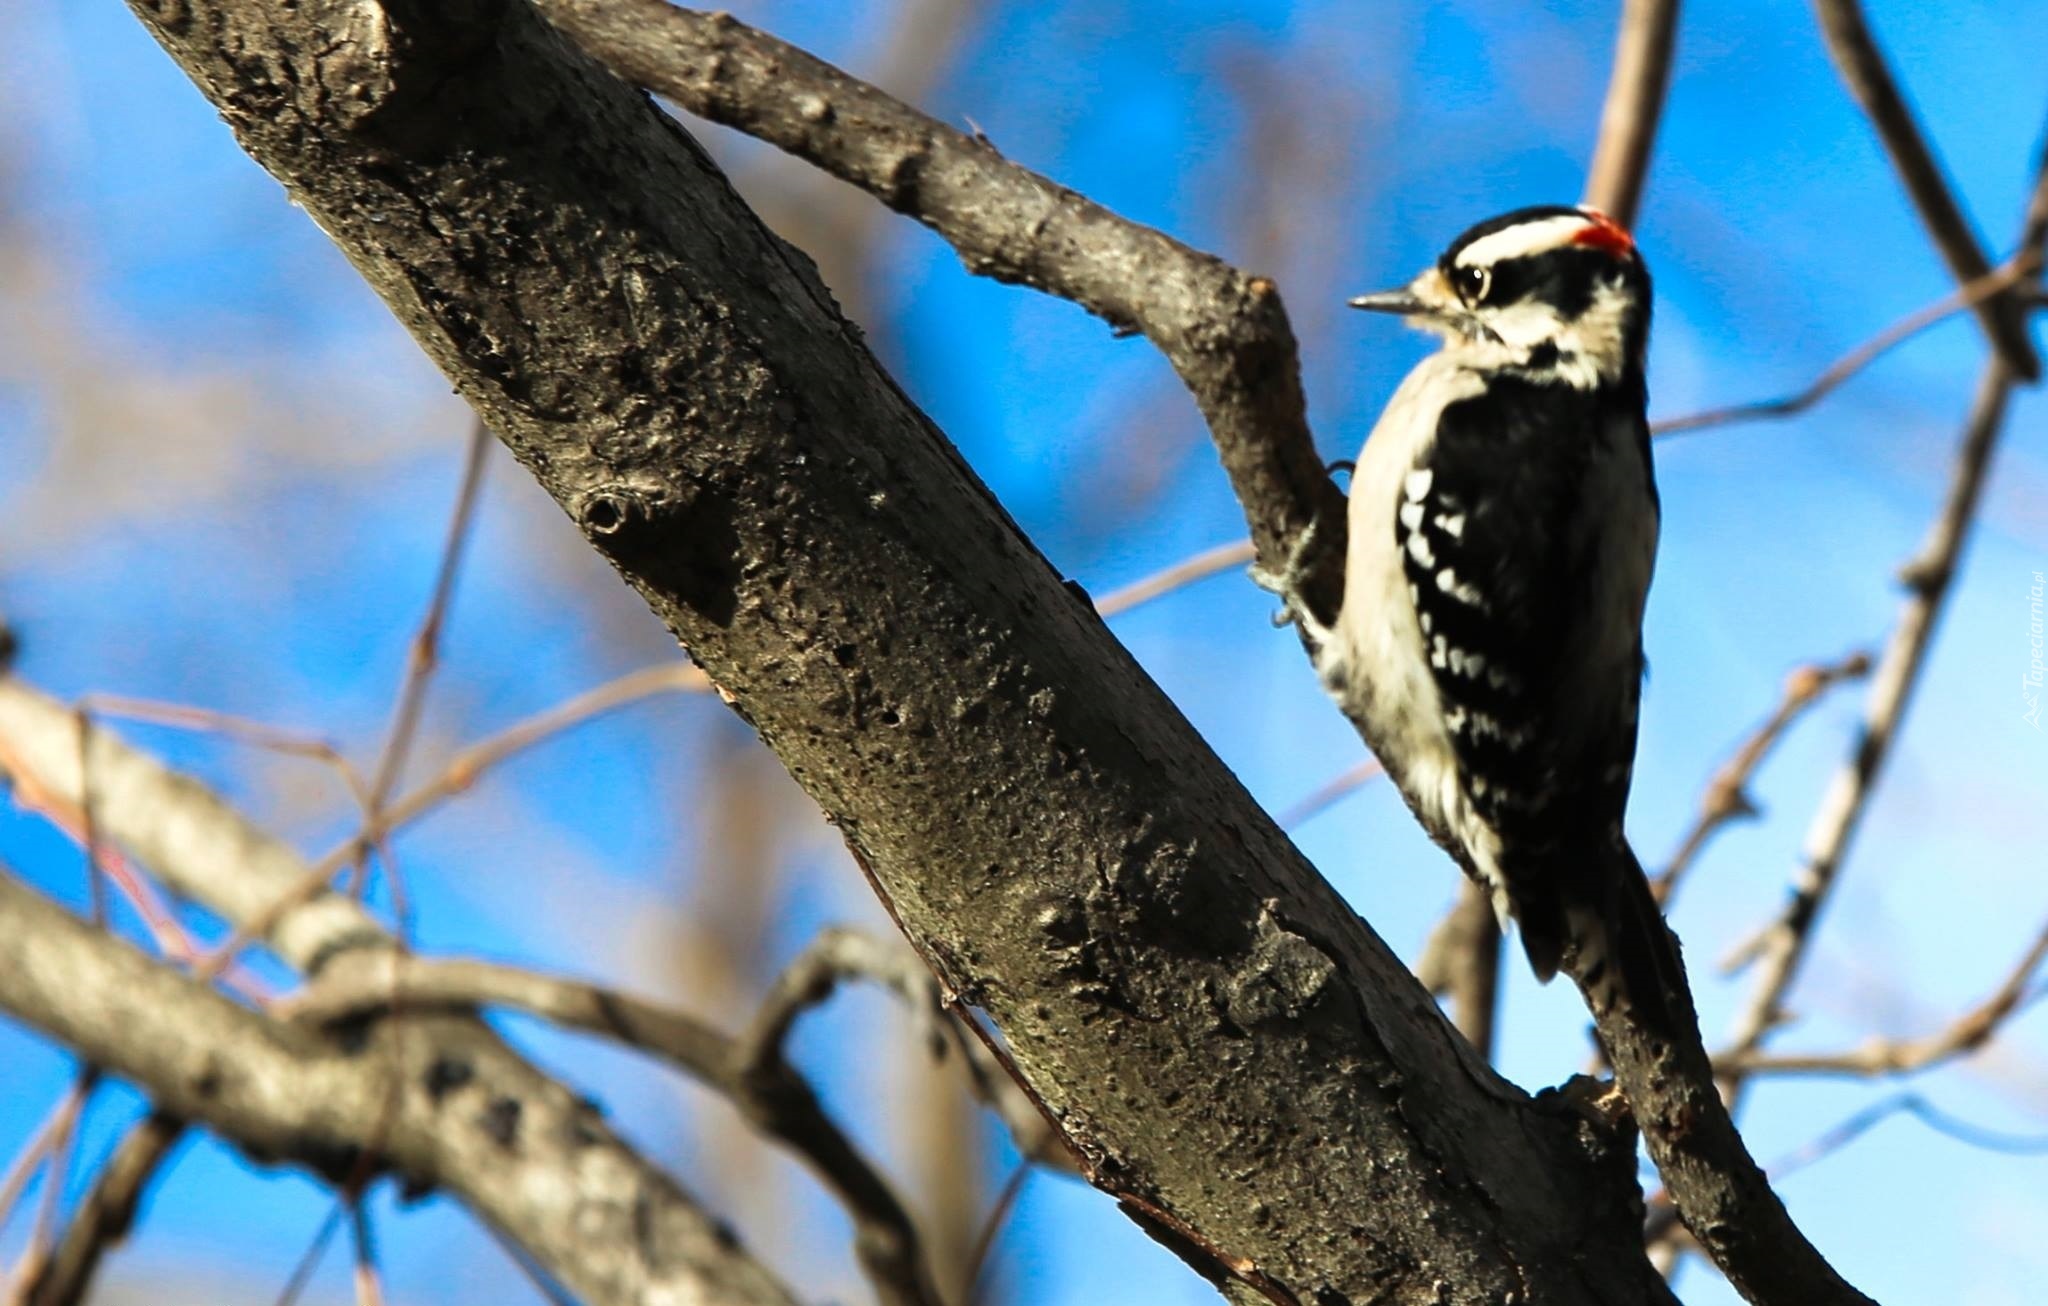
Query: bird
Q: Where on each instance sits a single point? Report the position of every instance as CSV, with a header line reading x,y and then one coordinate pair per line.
x,y
1503,522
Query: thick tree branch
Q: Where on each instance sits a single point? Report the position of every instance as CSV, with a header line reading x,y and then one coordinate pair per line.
x,y
1058,843
1225,333
1869,78
441,1102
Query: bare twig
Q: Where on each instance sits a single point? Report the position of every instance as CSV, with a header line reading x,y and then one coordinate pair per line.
x,y
1727,794
106,1214
461,772
309,1260
369,1285
257,734
1869,78
2013,270
1225,333
51,1148
1863,1121
421,659
992,1227
21,1171
1185,572
1635,102
536,1273
1332,792
1885,1056
840,954
1782,947
425,650
67,812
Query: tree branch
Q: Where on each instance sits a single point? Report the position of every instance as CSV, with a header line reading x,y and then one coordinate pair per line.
x,y
442,1102
1461,961
1781,948
1225,333
1868,77
1887,1056
1727,795
2012,274
1636,92
106,1213
206,851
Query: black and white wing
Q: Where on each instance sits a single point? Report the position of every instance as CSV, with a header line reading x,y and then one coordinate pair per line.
x,y
1528,583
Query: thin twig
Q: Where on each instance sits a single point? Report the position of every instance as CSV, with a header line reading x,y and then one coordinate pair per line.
x,y
369,1285
992,1226
48,1149
1636,92
1331,792
1727,795
1913,1104
1782,947
424,653
309,1260
1168,579
460,773
422,658
257,734
536,1273
1968,295
68,815
1884,1056
21,1171
107,1212
1869,78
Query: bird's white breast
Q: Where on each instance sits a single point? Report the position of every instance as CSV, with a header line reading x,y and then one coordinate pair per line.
x,y
1375,661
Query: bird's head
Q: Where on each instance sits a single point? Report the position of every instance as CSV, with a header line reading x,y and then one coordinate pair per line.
x,y
1557,292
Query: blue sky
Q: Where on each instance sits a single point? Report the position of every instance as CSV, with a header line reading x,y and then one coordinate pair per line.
x,y
251,523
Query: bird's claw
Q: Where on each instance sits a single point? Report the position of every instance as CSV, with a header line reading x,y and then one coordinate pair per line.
x,y
1286,584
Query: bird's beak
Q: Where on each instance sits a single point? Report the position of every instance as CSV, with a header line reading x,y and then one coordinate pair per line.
x,y
1403,301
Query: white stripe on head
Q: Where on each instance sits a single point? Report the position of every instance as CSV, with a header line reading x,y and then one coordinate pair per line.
x,y
1524,238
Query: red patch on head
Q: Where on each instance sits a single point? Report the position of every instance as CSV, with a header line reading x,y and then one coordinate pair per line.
x,y
1604,233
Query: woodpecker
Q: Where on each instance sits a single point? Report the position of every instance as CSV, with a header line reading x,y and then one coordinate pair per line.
x,y
1503,528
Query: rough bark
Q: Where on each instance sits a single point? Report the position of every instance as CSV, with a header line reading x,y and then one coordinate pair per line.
x,y
1225,1045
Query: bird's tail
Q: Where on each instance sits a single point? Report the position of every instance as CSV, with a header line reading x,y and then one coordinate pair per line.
x,y
1609,934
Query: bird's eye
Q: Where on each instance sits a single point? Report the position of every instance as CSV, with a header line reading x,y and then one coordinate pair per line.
x,y
1470,282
